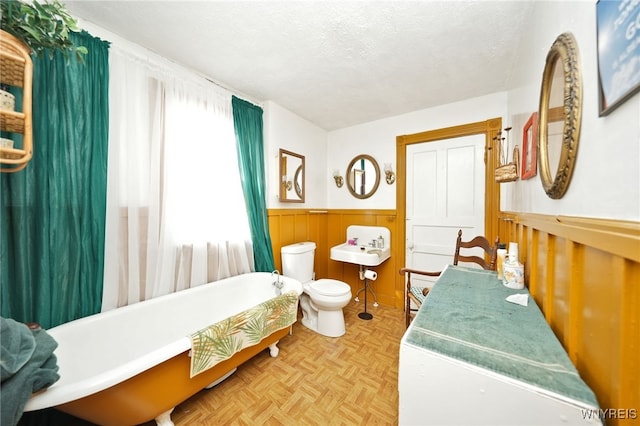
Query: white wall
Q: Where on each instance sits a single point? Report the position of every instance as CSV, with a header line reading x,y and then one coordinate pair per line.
x,y
378,139
606,177
283,129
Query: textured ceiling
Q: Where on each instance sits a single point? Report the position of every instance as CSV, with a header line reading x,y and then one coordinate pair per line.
x,y
334,63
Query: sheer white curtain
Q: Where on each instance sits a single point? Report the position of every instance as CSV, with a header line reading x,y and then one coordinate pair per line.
x,y
175,212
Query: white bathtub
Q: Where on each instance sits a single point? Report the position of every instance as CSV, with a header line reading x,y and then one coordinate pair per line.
x,y
131,365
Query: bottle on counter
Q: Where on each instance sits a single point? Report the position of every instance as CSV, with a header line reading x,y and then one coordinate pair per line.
x,y
501,258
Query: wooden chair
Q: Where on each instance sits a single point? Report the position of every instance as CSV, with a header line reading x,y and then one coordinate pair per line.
x,y
417,294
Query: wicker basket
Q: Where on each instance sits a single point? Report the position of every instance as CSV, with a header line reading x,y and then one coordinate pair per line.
x,y
16,69
509,171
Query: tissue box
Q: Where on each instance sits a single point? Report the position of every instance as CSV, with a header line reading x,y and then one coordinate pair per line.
x,y
7,100
6,143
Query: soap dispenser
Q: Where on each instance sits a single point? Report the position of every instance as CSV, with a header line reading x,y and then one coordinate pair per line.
x,y
380,242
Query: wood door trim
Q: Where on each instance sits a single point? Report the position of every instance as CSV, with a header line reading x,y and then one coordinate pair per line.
x,y
490,129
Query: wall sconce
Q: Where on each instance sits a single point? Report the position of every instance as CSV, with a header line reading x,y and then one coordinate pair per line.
x,y
339,180
286,183
389,174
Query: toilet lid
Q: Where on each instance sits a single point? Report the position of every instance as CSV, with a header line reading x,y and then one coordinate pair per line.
x,y
328,287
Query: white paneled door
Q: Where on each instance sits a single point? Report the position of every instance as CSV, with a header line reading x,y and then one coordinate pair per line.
x,y
445,192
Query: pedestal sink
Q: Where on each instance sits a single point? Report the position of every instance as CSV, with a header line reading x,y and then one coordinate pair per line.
x,y
366,246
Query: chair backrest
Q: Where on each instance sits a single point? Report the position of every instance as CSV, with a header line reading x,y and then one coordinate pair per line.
x,y
479,241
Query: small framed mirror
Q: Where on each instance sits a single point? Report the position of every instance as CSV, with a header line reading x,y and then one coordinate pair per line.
x,y
559,115
291,177
363,176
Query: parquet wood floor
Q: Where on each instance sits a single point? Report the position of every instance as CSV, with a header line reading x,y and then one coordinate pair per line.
x,y
315,380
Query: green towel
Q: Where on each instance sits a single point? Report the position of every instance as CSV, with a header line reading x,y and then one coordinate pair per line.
x,y
466,317
28,366
18,344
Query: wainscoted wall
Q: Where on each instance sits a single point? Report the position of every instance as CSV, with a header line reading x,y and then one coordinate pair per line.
x,y
584,274
328,228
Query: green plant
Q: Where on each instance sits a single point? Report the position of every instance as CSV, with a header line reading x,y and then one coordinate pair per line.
x,y
41,26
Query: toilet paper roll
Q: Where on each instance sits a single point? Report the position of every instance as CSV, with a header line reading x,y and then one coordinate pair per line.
x,y
370,275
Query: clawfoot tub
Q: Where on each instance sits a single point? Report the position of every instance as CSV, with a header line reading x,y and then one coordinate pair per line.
x,y
131,365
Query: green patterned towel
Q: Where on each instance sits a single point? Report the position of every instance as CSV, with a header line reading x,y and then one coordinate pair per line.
x,y
223,339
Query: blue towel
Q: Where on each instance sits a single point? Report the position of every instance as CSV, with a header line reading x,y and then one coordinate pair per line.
x,y
27,366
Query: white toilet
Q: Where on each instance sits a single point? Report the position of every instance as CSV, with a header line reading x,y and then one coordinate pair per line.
x,y
321,301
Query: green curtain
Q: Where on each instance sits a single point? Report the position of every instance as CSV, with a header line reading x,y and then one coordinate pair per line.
x,y
52,213
247,121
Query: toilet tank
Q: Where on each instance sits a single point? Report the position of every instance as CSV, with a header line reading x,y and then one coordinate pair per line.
x,y
297,260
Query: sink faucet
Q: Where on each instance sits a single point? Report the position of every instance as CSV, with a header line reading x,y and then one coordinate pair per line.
x,y
278,284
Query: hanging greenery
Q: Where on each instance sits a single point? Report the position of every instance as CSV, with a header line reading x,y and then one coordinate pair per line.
x,y
41,26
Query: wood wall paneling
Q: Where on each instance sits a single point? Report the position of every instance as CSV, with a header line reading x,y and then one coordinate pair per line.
x,y
584,275
629,276
558,294
599,345
328,228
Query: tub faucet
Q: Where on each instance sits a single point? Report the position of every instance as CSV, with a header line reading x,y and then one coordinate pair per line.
x,y
277,283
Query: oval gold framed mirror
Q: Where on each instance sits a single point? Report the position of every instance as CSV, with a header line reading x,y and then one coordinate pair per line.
x,y
363,176
559,115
